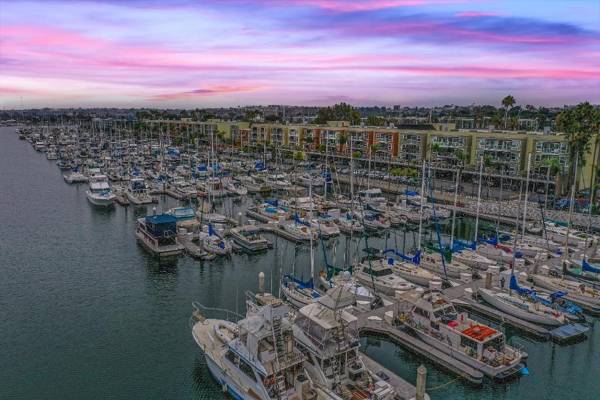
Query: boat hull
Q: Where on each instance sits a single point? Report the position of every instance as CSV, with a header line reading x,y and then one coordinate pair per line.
x,y
516,311
100,201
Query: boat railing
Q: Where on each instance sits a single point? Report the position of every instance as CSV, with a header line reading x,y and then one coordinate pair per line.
x,y
202,312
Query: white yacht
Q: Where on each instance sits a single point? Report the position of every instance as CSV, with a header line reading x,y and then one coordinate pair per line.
x,y
435,321
256,358
99,193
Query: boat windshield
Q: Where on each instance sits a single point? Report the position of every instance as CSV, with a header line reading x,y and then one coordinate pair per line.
x,y
380,272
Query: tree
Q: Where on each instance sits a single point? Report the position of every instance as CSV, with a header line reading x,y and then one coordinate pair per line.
x,y
374,120
298,156
322,148
580,123
356,154
508,102
342,140
554,165
339,112
460,155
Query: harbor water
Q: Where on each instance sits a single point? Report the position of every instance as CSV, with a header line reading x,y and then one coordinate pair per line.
x,y
85,313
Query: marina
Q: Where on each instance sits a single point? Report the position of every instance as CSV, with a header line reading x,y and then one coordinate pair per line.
x,y
168,226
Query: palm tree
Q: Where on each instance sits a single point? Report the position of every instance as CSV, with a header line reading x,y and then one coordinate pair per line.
x,y
342,140
580,124
508,102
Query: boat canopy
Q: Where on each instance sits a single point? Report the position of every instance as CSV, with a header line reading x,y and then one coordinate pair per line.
x,y
162,224
586,266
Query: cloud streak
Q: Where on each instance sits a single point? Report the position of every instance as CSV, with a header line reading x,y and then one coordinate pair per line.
x,y
246,51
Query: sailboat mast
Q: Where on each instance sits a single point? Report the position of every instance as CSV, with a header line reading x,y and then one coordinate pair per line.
x,y
478,200
454,208
571,201
312,253
421,206
526,196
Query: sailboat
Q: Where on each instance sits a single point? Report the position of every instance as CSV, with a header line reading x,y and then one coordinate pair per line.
x,y
296,291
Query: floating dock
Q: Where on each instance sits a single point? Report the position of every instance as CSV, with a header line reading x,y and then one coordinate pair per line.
x,y
380,327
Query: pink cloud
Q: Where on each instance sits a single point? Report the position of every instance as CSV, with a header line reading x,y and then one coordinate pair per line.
x,y
215,90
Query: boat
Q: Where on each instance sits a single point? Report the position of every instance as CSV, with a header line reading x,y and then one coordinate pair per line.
x,y
328,335
183,213
297,231
373,198
75,177
372,221
325,226
521,307
411,272
249,238
381,278
298,292
158,235
214,244
434,320
432,261
137,192
255,358
267,212
349,283
349,224
99,193
578,292
279,182
235,188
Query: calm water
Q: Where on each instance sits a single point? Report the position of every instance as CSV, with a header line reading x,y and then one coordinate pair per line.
x,y
85,313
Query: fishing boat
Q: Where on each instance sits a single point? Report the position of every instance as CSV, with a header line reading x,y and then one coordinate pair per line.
x,y
99,193
158,235
328,336
137,192
256,358
249,238
435,321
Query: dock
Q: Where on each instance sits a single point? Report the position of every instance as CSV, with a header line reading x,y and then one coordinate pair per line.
x,y
193,249
369,326
403,389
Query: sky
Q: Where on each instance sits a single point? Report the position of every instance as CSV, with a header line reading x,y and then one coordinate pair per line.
x,y
205,53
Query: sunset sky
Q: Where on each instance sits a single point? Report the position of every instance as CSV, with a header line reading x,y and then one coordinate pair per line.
x,y
185,53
